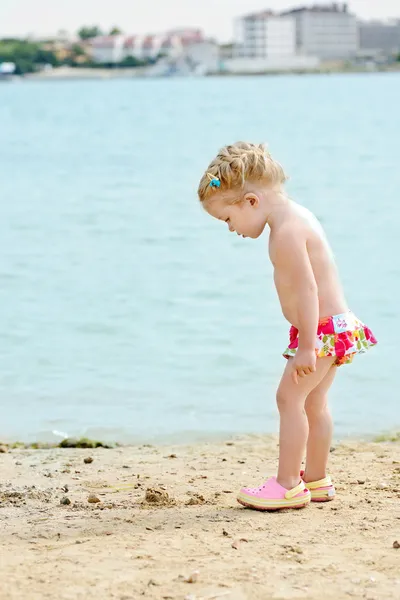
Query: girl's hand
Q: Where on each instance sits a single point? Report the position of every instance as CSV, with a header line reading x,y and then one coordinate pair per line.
x,y
304,363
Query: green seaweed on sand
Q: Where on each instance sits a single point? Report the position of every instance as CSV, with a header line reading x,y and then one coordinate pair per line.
x,y
388,437
83,443
66,443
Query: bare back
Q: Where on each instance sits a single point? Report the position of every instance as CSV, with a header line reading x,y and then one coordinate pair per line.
x,y
300,224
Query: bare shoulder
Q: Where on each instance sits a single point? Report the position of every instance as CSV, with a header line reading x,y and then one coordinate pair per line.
x,y
295,232
290,237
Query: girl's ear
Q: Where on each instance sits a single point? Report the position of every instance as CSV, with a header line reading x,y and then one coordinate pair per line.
x,y
252,199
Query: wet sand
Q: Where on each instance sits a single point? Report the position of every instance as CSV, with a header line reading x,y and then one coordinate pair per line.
x,y
163,523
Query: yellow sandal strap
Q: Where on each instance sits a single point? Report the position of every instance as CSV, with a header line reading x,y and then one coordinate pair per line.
x,y
294,491
313,485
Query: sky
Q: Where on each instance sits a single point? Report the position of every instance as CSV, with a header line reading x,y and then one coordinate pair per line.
x,y
215,17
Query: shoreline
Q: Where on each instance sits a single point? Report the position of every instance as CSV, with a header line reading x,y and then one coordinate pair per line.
x,y
82,74
196,439
162,521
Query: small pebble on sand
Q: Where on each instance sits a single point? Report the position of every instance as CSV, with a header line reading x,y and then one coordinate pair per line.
x,y
193,578
88,460
93,499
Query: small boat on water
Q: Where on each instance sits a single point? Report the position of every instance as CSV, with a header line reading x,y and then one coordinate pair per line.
x,y
178,67
7,70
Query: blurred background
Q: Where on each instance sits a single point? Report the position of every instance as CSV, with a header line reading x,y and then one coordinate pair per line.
x,y
126,312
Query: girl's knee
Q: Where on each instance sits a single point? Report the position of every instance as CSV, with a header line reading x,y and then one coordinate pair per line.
x,y
315,406
281,400
287,402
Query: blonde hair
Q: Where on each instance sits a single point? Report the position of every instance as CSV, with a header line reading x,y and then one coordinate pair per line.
x,y
236,164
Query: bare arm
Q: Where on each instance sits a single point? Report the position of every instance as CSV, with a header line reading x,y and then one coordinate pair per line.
x,y
292,264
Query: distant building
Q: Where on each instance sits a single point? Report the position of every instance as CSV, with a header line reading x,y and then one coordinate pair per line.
x,y
226,51
326,31
265,35
115,48
378,36
265,42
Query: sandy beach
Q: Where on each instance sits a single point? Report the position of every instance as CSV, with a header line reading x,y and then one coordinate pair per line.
x,y
163,523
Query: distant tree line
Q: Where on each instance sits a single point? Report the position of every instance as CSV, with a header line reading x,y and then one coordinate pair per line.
x,y
31,56
27,56
92,31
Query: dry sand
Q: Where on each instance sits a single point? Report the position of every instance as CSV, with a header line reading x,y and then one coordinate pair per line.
x,y
189,538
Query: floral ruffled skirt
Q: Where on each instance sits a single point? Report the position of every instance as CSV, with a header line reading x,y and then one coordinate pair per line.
x,y
342,336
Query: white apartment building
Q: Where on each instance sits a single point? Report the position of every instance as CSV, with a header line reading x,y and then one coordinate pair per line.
x,y
265,35
265,42
325,31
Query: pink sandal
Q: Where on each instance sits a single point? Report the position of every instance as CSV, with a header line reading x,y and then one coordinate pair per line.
x,y
322,490
272,496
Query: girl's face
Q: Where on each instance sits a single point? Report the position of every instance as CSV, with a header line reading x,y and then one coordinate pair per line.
x,y
245,217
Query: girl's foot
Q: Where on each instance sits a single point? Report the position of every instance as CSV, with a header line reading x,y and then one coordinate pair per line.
x,y
321,490
272,496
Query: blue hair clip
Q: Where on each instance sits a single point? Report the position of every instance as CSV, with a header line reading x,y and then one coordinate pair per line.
x,y
215,182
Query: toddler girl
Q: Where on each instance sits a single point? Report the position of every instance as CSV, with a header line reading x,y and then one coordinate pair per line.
x,y
243,186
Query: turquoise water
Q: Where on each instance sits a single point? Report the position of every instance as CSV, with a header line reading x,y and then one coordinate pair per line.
x,y
126,312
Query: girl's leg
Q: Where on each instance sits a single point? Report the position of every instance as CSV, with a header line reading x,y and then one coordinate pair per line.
x,y
293,432
320,428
